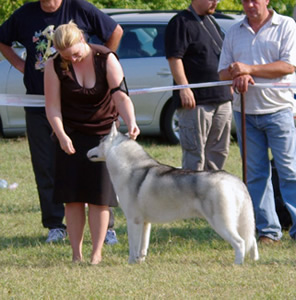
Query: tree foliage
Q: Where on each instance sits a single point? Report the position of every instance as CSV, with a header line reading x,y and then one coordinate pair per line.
x,y
151,4
284,7
7,7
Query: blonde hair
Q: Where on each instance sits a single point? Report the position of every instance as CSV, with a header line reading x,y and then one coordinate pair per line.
x,y
66,36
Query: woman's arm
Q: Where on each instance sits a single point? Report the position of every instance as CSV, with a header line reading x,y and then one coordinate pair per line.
x,y
122,101
53,107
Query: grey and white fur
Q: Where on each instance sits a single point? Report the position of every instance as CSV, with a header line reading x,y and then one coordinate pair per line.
x,y
150,192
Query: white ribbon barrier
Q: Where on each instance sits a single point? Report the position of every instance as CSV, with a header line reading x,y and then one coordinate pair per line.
x,y
39,101
179,87
22,100
279,85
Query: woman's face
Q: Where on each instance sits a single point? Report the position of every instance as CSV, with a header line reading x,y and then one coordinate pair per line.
x,y
74,53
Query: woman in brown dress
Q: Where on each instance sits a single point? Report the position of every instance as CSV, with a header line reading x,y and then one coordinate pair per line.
x,y
84,93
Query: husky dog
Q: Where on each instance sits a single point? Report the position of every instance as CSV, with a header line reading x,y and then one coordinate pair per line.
x,y
150,192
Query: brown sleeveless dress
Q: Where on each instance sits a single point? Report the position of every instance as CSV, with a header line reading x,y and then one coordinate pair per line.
x,y
88,115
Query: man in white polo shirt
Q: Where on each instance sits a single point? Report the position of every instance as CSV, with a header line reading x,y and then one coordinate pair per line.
x,y
262,49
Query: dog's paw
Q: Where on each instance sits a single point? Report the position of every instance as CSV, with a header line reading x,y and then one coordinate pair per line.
x,y
141,259
132,261
137,260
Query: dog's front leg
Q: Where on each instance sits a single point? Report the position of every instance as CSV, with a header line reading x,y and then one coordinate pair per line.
x,y
145,241
134,231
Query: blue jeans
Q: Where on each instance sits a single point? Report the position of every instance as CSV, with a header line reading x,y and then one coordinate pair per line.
x,y
277,132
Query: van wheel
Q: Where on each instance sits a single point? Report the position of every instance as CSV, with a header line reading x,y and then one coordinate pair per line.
x,y
170,125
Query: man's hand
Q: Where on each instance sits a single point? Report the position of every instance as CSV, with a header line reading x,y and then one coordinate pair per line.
x,y
240,83
187,98
178,72
237,69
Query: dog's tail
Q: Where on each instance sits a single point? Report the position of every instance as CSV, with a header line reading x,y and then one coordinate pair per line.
x,y
246,226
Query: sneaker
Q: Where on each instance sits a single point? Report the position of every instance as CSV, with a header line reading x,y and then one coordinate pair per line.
x,y
111,238
56,235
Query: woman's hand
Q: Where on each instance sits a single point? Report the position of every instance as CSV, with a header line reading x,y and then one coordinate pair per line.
x,y
66,145
133,131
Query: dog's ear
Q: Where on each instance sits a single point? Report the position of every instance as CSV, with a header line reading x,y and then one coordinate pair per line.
x,y
113,131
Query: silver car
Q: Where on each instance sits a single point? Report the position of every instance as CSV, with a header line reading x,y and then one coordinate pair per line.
x,y
142,57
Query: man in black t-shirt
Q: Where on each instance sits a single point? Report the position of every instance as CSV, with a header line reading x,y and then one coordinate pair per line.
x,y
193,44
33,25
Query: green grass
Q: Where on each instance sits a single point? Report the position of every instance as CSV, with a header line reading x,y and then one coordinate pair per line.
x,y
186,260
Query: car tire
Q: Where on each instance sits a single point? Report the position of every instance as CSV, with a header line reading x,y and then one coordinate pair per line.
x,y
1,128
170,124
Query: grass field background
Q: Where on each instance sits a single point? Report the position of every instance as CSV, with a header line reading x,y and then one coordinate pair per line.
x,y
186,260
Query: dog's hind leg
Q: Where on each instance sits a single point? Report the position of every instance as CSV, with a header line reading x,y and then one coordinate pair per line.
x,y
145,241
237,243
232,236
254,254
135,232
